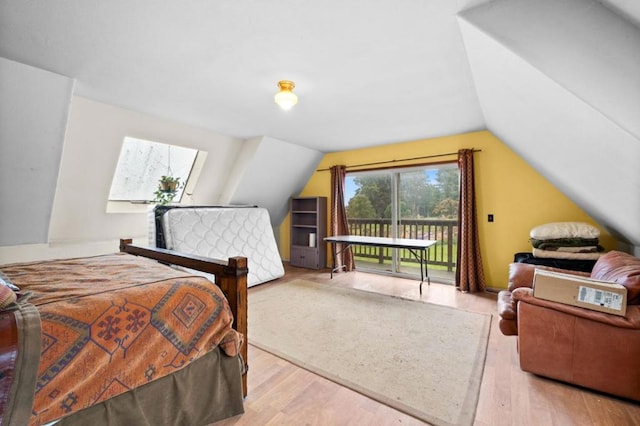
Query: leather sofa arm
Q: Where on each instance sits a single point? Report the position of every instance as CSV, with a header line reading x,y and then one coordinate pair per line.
x,y
631,320
521,274
507,305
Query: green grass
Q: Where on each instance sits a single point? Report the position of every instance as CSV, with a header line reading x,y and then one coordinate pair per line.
x,y
436,253
403,264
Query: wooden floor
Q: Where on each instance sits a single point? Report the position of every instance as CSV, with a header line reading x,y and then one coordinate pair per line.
x,y
283,394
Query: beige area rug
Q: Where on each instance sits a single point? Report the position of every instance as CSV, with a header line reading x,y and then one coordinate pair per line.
x,y
423,359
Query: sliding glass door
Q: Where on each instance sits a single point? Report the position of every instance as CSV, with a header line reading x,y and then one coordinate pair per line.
x,y
418,203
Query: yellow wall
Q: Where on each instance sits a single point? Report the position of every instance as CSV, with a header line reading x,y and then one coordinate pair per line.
x,y
506,186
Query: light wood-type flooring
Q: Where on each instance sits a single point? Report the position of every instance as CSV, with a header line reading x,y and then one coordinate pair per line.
x,y
280,393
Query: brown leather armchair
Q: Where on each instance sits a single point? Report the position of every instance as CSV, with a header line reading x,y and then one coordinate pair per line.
x,y
572,344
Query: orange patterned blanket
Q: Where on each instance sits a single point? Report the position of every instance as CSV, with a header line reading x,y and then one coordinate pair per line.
x,y
112,323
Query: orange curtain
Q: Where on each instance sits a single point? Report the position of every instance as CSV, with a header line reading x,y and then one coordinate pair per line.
x,y
469,273
339,224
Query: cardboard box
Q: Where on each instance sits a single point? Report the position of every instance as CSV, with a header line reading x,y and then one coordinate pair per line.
x,y
586,293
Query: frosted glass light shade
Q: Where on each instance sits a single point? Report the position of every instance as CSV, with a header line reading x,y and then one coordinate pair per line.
x,y
285,98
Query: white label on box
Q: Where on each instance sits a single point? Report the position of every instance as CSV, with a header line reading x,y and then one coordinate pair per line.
x,y
597,297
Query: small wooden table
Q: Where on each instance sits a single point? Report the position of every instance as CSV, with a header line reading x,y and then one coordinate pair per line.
x,y
416,247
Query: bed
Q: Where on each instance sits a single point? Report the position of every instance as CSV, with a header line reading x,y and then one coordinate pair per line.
x,y
124,339
220,232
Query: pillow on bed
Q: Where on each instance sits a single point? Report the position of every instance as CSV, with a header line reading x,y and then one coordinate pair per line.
x,y
5,282
7,296
556,230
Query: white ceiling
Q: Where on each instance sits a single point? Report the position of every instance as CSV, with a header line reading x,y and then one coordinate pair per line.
x,y
369,72
366,72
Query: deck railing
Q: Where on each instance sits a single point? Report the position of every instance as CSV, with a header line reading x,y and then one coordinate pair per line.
x,y
444,231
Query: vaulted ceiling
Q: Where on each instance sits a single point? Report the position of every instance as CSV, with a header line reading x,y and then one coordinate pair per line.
x,y
366,72
557,80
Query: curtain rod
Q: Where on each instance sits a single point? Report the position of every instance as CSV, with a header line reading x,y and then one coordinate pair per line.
x,y
403,159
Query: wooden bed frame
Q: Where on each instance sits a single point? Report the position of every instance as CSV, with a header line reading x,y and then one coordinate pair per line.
x,y
231,277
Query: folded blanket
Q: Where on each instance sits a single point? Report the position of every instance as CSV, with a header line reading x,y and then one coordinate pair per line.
x,y
564,242
581,249
564,255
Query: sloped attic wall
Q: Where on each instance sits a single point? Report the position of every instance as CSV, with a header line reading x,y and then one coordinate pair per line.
x,y
268,172
559,83
34,105
92,147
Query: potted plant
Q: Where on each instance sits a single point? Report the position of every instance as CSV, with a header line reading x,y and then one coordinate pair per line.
x,y
167,190
169,183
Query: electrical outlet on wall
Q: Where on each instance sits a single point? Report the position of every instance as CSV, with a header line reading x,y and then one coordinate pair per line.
x,y
490,218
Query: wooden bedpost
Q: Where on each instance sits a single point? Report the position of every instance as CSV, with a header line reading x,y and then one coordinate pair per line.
x,y
233,283
231,277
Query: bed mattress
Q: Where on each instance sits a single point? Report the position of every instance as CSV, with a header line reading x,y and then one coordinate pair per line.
x,y
131,319
223,232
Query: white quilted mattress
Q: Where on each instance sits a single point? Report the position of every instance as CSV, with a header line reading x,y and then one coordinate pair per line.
x,y
224,232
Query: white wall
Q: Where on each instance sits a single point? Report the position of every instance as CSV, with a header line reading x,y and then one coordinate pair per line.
x,y
261,171
34,104
34,252
241,164
559,82
92,146
272,171
581,45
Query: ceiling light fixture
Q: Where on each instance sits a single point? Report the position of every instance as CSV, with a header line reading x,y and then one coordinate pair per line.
x,y
285,98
